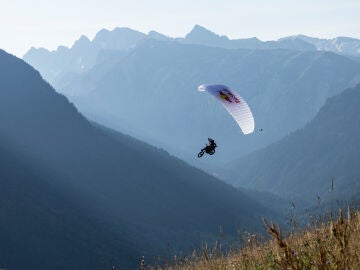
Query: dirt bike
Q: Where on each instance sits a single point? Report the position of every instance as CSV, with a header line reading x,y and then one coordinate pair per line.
x,y
208,150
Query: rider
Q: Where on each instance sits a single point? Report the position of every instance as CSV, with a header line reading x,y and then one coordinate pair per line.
x,y
211,146
212,143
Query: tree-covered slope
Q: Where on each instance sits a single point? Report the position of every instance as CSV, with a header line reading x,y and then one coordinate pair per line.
x,y
44,225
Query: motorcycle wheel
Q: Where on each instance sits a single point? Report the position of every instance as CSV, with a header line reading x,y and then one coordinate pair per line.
x,y
201,153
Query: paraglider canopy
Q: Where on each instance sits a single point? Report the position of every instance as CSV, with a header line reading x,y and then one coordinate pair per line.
x,y
233,103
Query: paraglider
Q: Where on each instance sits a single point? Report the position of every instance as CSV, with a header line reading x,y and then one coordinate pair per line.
x,y
235,105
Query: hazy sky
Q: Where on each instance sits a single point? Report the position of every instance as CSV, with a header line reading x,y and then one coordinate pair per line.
x,y
49,23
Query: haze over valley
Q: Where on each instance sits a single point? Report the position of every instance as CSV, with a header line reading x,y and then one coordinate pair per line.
x,y
99,143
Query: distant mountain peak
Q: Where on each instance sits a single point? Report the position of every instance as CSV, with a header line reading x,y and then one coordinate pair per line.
x,y
200,30
201,35
120,38
103,32
37,50
198,27
62,49
81,42
124,29
158,36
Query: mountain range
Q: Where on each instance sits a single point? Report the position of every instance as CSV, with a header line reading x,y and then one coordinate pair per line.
x,y
341,45
84,54
285,86
77,195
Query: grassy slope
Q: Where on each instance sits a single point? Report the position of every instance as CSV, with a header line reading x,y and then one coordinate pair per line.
x,y
330,245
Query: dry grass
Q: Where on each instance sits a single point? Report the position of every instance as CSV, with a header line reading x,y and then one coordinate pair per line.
x,y
329,245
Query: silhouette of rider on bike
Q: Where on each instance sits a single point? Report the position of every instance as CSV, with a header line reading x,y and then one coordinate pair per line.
x,y
209,149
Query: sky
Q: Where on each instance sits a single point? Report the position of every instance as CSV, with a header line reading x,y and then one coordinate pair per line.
x,y
50,23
